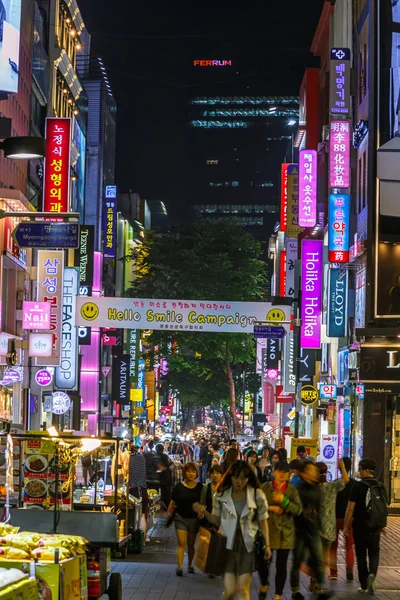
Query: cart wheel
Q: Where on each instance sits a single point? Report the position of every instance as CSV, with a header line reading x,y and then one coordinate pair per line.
x,y
115,587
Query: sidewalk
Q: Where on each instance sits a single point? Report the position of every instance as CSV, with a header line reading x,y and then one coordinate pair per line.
x,y
151,575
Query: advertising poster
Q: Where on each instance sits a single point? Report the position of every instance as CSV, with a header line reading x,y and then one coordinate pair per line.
x,y
39,477
9,47
329,455
310,445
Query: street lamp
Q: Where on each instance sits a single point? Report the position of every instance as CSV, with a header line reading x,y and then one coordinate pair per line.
x,y
24,147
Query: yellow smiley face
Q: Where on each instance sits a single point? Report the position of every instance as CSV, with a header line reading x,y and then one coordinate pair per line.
x,y
89,311
275,316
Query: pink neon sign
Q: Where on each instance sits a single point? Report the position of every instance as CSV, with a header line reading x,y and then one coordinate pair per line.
x,y
339,154
36,315
307,188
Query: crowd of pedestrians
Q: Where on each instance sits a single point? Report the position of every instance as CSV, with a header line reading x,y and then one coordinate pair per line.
x,y
299,510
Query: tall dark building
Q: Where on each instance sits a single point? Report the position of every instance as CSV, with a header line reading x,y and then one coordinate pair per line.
x,y
235,143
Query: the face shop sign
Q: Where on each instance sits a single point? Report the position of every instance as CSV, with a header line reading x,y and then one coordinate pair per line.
x,y
380,363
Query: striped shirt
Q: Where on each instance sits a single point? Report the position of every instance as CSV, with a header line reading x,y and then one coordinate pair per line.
x,y
137,470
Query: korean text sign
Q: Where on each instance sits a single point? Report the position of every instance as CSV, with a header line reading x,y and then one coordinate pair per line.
x,y
307,216
187,315
339,83
339,154
291,257
284,192
311,293
50,289
57,165
338,228
292,227
110,222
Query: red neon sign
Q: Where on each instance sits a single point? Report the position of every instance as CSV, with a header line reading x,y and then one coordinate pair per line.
x,y
284,194
282,273
212,63
57,165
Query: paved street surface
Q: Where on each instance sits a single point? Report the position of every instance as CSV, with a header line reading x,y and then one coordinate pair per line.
x,y
151,575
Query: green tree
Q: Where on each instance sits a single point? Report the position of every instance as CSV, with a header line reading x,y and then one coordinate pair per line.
x,y
204,260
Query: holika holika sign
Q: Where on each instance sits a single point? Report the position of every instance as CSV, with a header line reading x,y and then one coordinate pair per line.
x,y
186,315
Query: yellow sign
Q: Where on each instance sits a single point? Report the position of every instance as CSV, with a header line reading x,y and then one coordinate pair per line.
x,y
292,414
275,316
136,395
293,228
310,445
309,395
139,410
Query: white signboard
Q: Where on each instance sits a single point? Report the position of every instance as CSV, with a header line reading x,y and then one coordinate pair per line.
x,y
61,403
329,455
176,315
66,373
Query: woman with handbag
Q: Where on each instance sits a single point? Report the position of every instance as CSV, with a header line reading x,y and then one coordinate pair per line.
x,y
241,511
283,505
184,495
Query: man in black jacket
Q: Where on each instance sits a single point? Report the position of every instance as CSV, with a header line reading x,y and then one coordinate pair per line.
x,y
307,532
203,462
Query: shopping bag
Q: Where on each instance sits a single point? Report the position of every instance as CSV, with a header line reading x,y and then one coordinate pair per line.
x,y
216,556
201,548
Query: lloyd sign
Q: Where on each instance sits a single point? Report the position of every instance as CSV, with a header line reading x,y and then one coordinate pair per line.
x,y
337,303
380,363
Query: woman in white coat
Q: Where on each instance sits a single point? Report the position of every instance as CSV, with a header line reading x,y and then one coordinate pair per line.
x,y
240,510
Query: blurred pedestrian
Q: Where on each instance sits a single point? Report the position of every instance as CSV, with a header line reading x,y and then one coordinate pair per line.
x,y
252,461
184,495
342,500
231,456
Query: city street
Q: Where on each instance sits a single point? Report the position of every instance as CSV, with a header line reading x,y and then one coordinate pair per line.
x,y
151,575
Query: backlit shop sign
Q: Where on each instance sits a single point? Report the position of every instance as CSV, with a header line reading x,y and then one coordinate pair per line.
x,y
50,289
327,391
284,195
66,373
57,165
339,150
339,85
110,222
311,290
212,63
339,228
307,188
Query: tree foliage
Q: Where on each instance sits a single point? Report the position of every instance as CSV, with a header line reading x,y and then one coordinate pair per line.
x,y
204,260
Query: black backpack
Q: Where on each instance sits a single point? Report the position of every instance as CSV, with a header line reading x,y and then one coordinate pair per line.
x,y
375,504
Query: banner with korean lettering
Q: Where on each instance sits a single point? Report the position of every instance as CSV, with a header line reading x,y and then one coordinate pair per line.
x,y
307,216
339,154
336,325
284,194
291,257
339,228
339,81
50,289
57,165
110,222
311,293
292,227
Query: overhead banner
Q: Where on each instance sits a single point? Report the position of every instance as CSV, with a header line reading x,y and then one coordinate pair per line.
x,y
50,289
311,293
292,227
307,216
57,165
66,373
339,81
339,154
338,228
187,315
336,325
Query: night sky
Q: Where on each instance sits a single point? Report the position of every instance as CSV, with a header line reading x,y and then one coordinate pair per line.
x,y
148,49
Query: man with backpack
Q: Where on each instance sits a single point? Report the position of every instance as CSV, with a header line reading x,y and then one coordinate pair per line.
x,y
368,508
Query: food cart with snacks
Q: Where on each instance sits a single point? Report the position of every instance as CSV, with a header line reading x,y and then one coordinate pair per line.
x,y
74,486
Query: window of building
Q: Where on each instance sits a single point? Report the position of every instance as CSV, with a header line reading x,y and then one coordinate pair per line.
x,y
212,161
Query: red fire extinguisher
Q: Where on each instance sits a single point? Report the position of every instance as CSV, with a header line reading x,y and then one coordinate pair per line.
x,y
93,578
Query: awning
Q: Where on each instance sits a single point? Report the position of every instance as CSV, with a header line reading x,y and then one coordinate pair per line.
x,y
388,172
